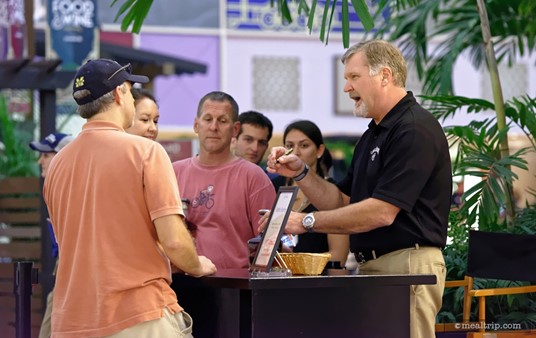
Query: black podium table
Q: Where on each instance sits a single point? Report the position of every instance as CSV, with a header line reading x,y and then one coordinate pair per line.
x,y
230,304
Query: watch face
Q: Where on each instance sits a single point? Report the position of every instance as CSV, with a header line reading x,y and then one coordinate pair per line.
x,y
308,221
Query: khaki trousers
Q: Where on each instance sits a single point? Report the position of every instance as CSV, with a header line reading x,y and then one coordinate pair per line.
x,y
425,300
171,325
45,330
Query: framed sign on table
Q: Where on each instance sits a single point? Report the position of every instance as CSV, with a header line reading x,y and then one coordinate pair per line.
x,y
274,230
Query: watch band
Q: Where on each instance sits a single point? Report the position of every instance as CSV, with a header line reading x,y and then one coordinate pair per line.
x,y
301,175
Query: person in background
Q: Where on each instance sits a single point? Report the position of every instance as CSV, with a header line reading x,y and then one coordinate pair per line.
x,y
456,198
252,140
146,116
305,138
117,215
395,198
225,191
48,148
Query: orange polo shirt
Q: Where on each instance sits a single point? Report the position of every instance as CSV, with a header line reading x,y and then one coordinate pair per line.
x,y
103,192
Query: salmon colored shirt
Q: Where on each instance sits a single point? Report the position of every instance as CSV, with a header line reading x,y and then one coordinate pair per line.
x,y
103,192
224,205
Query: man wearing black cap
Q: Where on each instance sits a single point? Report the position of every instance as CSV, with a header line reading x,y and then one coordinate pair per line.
x,y
116,211
48,148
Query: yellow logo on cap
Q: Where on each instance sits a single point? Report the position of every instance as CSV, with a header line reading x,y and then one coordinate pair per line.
x,y
79,82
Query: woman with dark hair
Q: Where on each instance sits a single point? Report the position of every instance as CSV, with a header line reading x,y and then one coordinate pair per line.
x,y
307,142
146,116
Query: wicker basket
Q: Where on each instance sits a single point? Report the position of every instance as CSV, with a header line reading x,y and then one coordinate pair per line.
x,y
302,263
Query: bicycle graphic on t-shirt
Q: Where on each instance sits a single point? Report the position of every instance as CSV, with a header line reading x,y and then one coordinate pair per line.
x,y
205,197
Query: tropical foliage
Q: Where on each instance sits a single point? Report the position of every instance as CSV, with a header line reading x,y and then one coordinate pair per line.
x,y
135,11
478,154
457,26
16,158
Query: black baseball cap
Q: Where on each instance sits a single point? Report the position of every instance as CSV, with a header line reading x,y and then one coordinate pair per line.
x,y
101,76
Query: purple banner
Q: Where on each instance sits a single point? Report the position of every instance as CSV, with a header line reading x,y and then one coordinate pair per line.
x,y
17,27
12,29
4,28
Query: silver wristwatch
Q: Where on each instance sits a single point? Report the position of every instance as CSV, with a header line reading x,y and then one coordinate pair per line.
x,y
308,222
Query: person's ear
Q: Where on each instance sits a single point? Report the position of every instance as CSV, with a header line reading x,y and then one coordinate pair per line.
x,y
236,128
386,75
196,126
320,151
117,95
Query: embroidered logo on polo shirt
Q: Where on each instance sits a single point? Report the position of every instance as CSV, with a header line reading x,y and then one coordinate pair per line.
x,y
374,152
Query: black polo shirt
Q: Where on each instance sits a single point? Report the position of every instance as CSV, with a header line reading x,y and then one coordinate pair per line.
x,y
404,161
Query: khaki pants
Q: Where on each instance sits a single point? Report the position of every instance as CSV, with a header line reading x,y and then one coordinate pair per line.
x,y
45,330
172,325
425,300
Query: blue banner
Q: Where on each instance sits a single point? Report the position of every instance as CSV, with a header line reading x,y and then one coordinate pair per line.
x,y
259,15
73,26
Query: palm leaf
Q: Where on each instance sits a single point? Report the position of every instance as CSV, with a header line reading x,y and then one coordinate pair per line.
x,y
134,11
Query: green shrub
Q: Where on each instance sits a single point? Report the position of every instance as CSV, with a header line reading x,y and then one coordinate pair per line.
x,y
16,158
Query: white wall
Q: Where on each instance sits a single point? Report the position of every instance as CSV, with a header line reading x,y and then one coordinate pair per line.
x,y
317,80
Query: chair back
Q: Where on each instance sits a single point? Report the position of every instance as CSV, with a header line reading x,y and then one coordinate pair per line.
x,y
504,256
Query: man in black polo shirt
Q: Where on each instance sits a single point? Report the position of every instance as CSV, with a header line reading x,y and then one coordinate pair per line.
x,y
395,198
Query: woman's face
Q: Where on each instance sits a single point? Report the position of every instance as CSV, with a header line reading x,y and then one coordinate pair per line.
x,y
146,119
304,147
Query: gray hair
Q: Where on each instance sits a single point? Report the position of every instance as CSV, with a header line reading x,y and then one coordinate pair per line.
x,y
219,97
90,109
380,54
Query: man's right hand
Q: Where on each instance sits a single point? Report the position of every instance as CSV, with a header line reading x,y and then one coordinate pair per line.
x,y
284,165
206,268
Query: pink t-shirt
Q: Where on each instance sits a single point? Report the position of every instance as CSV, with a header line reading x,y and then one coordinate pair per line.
x,y
224,204
103,192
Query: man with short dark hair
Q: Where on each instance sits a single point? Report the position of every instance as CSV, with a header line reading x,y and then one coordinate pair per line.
x,y
252,140
118,219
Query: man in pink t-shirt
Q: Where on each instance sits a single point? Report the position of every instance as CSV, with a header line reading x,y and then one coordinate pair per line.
x,y
117,215
225,191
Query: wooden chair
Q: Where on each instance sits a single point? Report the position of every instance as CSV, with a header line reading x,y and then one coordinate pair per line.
x,y
494,255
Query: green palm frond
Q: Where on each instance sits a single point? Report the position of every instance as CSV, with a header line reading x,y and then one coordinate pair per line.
x,y
134,11
457,22
479,156
522,112
446,106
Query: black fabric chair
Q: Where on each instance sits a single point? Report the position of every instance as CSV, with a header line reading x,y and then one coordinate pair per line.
x,y
494,255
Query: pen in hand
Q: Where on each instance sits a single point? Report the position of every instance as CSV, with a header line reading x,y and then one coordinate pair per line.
x,y
288,152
